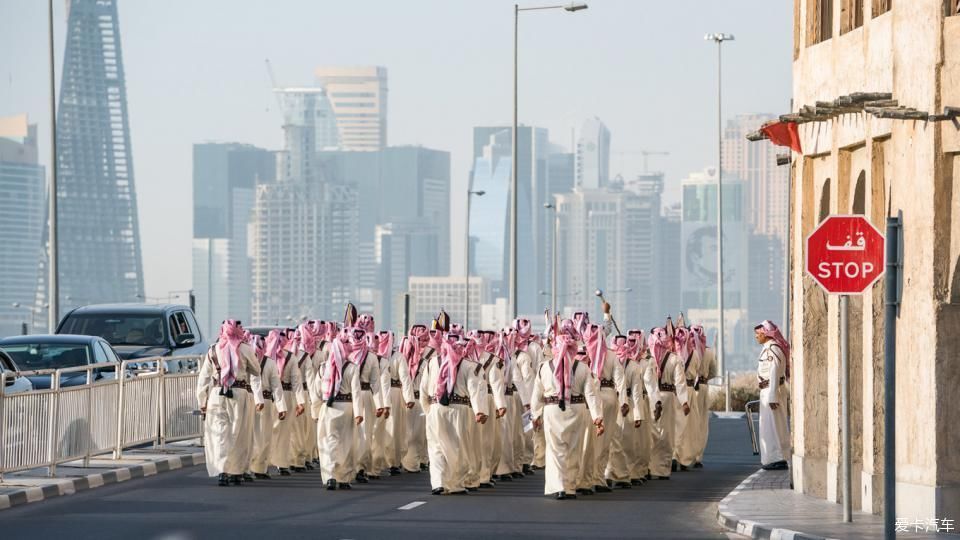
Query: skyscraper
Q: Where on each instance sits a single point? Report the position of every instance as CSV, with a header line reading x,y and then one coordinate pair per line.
x,y
489,218
765,182
668,262
403,249
598,248
359,98
22,209
645,225
99,236
225,177
593,154
305,229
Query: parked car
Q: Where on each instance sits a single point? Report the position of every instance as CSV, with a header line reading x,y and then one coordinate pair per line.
x,y
36,352
14,383
262,331
141,331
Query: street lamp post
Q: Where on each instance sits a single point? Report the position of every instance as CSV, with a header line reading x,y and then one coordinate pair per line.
x,y
553,266
719,38
466,249
53,276
572,7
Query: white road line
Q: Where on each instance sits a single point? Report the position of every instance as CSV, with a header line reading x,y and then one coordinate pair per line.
x,y
412,505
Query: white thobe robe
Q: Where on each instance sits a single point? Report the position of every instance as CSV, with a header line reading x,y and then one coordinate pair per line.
x,y
774,431
337,430
527,363
597,450
370,401
641,466
263,422
306,426
394,432
539,442
688,427
378,442
625,451
284,451
228,426
490,432
448,433
415,447
511,425
564,430
708,370
663,431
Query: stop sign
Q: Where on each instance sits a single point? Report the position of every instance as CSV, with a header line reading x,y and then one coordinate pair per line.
x,y
845,254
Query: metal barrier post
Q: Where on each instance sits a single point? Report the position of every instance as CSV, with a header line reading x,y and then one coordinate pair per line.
x,y
89,438
122,376
52,423
3,424
161,402
748,410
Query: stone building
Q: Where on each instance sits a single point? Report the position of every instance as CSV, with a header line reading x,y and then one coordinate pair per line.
x,y
897,155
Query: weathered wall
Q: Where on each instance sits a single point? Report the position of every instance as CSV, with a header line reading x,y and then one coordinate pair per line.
x,y
910,168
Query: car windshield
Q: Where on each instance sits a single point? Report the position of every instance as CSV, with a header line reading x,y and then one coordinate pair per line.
x,y
31,356
118,329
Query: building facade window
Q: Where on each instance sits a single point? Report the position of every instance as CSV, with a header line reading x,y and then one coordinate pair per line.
x,y
851,15
819,21
824,201
881,6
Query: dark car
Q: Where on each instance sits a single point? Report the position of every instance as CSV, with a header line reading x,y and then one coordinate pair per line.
x,y
36,352
141,330
262,331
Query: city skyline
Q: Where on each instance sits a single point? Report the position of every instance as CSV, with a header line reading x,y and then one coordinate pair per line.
x,y
163,140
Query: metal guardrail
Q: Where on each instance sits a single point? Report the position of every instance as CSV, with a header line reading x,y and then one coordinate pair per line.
x,y
751,426
44,428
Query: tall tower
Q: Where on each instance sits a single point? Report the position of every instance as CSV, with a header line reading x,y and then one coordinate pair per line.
x,y
359,98
99,234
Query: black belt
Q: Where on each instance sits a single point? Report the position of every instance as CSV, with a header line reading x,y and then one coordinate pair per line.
x,y
664,387
286,386
364,386
554,400
606,383
394,383
267,394
510,390
304,386
240,384
765,383
416,394
690,382
343,397
489,389
456,399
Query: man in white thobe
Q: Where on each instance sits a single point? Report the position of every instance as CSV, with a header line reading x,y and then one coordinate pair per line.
x,y
563,402
666,388
284,453
772,372
708,370
417,353
231,366
688,426
274,408
340,385
624,451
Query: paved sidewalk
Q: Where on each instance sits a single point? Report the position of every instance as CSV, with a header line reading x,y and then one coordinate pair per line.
x,y
763,506
34,485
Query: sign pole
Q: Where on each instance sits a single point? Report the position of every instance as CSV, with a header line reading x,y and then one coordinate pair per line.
x,y
845,410
891,292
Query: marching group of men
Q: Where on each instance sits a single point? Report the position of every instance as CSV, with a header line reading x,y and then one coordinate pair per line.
x,y
474,408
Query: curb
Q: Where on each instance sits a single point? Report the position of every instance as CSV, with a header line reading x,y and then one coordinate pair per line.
x,y
752,529
69,486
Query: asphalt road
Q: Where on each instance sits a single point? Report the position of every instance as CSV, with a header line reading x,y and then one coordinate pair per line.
x,y
187,504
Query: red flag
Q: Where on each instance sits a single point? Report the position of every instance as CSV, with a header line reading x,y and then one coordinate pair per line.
x,y
783,134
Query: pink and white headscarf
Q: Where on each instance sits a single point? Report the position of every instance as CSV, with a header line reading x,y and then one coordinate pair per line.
x,y
660,345
581,320
308,339
626,349
683,343
523,334
641,343
385,346
452,354
564,354
417,342
365,323
772,331
228,351
342,348
274,349
595,340
699,338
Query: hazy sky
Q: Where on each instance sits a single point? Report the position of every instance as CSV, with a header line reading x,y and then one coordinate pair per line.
x,y
195,72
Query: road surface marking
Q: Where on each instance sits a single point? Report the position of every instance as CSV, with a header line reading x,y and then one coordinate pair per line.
x,y
412,505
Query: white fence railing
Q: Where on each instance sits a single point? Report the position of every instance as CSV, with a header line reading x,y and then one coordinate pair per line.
x,y
89,410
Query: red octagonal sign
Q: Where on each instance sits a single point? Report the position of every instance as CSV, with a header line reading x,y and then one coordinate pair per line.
x,y
845,254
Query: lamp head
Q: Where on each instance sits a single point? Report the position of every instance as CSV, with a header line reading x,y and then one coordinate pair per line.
x,y
575,6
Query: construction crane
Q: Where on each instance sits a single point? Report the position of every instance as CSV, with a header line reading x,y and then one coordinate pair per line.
x,y
646,157
273,85
647,154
